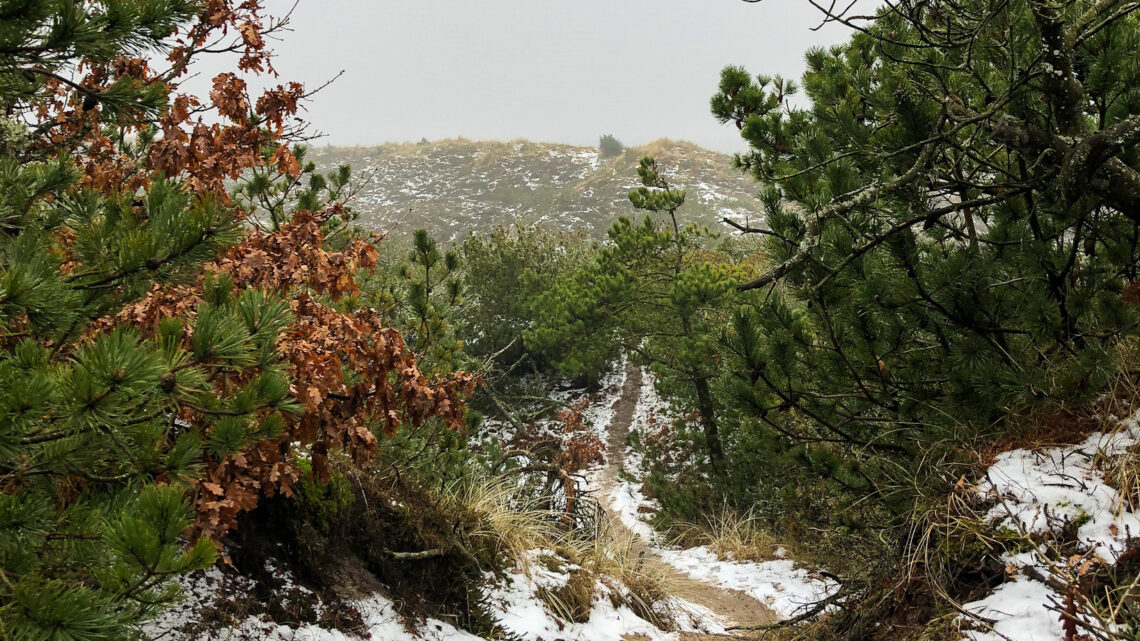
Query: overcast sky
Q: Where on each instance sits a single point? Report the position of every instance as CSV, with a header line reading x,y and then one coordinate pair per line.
x,y
547,70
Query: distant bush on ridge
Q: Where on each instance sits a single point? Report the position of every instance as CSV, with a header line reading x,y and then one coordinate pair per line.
x,y
610,146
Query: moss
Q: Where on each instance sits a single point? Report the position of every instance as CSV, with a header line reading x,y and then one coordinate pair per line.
x,y
318,504
551,562
1081,519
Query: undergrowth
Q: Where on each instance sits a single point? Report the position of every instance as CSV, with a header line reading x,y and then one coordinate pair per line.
x,y
432,552
909,580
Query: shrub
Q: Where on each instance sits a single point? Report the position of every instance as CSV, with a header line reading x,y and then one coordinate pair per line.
x,y
610,146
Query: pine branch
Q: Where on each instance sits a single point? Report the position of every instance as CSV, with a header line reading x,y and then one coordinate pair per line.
x,y
815,227
925,218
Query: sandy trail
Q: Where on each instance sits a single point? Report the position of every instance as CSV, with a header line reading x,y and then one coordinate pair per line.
x,y
733,606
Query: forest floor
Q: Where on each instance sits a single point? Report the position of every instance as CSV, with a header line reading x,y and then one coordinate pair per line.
x,y
707,595
1073,503
734,607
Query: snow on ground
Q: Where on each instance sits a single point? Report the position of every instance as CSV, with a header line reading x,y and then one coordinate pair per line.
x,y
200,592
600,412
1043,490
381,621
651,408
786,589
518,608
515,602
1019,611
627,500
779,584
210,591
626,496
1039,492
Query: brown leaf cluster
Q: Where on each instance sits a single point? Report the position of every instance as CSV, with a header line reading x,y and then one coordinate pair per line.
x,y
349,372
205,142
293,257
581,447
570,446
318,347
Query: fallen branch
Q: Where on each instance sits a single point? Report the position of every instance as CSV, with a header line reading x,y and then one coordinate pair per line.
x,y
819,607
749,229
416,556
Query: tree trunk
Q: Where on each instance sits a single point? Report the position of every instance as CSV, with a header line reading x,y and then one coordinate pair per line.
x,y
708,421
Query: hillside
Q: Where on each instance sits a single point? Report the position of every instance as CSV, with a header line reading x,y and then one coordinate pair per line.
x,y
455,187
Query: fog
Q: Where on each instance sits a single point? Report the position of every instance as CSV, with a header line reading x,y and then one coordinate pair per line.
x,y
548,70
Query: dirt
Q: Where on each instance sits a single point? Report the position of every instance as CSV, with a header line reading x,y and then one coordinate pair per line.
x,y
731,605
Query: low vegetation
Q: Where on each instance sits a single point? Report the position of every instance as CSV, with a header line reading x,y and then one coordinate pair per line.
x,y
207,350
610,146
453,188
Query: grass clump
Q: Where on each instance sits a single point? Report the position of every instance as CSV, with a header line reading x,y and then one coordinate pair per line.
x,y
642,586
573,600
732,536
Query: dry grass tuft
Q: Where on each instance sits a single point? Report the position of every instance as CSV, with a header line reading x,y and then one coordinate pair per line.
x,y
630,578
573,600
634,582
507,523
731,535
1122,472
515,528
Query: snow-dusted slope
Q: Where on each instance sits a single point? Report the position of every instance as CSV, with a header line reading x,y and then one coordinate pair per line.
x,y
455,187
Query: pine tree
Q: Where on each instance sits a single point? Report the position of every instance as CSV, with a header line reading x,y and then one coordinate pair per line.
x,y
653,292
952,230
432,292
505,272
271,196
163,365
87,537
610,146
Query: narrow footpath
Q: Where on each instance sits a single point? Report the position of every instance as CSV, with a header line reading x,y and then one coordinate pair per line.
x,y
734,607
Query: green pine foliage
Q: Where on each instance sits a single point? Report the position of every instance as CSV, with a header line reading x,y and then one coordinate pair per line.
x,y
271,196
38,38
505,273
655,292
951,236
432,291
951,229
94,462
88,536
422,293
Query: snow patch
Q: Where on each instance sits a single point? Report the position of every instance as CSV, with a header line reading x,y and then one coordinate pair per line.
x,y
518,608
779,584
1018,609
627,500
211,589
1040,492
